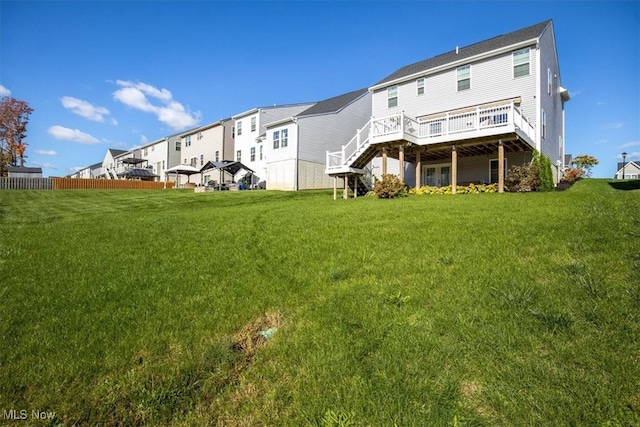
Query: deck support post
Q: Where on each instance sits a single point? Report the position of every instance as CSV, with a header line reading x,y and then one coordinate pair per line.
x,y
384,161
401,158
418,167
454,169
355,186
335,187
500,167
345,193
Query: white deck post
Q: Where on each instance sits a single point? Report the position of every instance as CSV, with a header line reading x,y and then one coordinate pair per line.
x,y
401,156
335,187
345,193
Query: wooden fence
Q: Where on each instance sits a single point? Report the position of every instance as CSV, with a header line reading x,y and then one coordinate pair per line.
x,y
79,184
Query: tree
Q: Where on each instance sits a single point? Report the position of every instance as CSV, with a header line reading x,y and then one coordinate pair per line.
x,y
14,116
585,162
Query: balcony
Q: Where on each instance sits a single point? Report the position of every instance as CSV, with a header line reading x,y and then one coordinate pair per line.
x,y
476,122
474,125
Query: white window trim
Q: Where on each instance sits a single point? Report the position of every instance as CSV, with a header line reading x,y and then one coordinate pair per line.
x,y
458,80
253,124
239,128
389,97
420,85
276,140
543,122
549,82
513,63
284,140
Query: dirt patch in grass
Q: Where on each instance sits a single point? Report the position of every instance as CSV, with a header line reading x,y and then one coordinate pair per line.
x,y
255,334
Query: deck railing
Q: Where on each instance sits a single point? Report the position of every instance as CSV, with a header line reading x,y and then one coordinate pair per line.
x,y
437,128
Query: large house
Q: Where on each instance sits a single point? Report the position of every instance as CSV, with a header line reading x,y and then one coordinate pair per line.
x,y
463,116
250,133
296,146
209,143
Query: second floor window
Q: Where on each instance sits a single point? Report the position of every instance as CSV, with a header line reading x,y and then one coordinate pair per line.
x,y
217,156
261,152
392,96
194,161
187,141
253,154
253,124
420,86
239,128
201,159
276,139
239,155
521,63
177,145
464,77
284,141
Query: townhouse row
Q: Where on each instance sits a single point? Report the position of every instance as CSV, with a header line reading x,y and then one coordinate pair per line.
x,y
462,116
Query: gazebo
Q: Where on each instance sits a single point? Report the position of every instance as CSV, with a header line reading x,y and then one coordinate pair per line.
x,y
182,170
227,166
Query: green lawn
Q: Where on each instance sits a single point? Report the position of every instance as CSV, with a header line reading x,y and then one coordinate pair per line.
x,y
147,307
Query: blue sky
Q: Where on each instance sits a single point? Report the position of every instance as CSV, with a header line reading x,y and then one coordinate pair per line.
x,y
116,74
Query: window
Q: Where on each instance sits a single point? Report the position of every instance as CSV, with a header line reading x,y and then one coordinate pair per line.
x,y
253,154
233,132
464,77
217,156
261,152
392,96
521,63
163,165
543,128
420,86
253,124
549,82
177,145
276,139
284,141
201,159
239,155
187,141
239,125
194,161
146,151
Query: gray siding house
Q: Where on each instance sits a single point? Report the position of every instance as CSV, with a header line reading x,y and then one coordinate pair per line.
x,y
296,146
464,116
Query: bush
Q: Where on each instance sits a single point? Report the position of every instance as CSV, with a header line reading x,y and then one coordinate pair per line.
x,y
390,187
572,175
534,176
461,189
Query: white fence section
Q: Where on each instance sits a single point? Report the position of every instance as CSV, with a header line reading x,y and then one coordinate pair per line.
x,y
14,183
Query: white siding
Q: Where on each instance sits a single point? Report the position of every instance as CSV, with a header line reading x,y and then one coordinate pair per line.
x,y
280,175
491,80
329,132
551,103
204,142
311,176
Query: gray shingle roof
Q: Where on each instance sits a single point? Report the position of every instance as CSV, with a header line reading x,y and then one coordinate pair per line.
x,y
494,43
334,104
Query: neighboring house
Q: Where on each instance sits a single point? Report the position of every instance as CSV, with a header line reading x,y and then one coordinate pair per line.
x,y
88,172
631,170
466,115
23,172
108,163
295,147
161,155
250,133
208,143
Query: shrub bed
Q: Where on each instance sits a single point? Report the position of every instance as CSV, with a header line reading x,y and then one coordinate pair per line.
x,y
461,189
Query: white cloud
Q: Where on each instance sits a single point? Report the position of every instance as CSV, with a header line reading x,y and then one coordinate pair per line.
x,y
614,125
631,156
73,135
46,165
46,152
140,96
4,91
631,144
86,109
